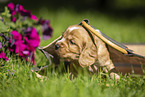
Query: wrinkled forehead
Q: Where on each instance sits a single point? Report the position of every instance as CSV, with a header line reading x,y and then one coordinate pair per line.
x,y
75,31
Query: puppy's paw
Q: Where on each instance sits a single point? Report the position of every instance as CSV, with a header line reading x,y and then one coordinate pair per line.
x,y
114,76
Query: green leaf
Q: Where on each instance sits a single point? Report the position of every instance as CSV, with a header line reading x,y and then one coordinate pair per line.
x,y
6,12
3,28
11,24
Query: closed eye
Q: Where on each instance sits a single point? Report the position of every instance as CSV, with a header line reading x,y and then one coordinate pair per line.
x,y
72,42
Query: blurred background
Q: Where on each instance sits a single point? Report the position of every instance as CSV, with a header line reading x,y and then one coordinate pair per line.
x,y
122,20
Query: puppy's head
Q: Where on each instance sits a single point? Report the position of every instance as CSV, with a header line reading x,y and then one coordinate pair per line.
x,y
77,45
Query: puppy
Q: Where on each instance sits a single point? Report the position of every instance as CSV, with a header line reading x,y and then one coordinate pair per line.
x,y
84,49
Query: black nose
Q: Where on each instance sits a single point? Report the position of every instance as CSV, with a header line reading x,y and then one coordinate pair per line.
x,y
57,46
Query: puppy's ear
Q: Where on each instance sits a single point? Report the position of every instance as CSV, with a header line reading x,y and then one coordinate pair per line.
x,y
89,55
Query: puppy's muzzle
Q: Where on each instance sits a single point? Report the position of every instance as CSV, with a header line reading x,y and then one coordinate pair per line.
x,y
57,46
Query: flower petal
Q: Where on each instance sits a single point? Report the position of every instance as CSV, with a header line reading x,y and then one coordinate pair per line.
x,y
19,46
32,38
46,37
47,32
11,6
26,52
19,8
13,19
3,56
13,13
46,28
17,36
33,17
1,45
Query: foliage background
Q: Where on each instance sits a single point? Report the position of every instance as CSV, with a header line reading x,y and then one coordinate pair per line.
x,y
119,19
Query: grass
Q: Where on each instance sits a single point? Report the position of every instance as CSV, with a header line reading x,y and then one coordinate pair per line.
x,y
119,28
17,80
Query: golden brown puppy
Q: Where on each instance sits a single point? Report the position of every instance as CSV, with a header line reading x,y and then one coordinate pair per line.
x,y
84,49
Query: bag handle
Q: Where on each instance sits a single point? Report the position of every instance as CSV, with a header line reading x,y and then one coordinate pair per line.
x,y
113,45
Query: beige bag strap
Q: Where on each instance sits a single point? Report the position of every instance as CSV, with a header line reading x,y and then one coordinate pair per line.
x,y
113,45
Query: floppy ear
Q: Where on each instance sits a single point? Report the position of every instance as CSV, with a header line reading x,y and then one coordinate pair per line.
x,y
89,55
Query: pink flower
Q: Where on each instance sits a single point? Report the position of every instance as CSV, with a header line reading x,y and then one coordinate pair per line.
x,y
17,36
19,9
3,56
11,6
46,28
24,12
32,38
25,46
33,17
18,45
1,45
13,19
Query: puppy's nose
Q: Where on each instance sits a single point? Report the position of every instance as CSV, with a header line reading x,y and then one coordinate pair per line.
x,y
57,46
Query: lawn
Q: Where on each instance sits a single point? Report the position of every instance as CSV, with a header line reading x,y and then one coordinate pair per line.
x,y
17,80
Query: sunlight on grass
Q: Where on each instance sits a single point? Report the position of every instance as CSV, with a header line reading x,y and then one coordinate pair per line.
x,y
17,80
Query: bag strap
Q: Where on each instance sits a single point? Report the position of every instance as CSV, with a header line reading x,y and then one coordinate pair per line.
x,y
114,44
109,41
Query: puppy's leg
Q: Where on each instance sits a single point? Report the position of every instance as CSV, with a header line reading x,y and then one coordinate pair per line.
x,y
112,71
113,74
67,66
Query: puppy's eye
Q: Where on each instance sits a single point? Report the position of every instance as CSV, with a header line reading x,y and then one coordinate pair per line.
x,y
72,42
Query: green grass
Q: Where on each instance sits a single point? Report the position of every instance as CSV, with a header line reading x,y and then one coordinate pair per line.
x,y
17,80
121,29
